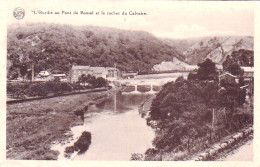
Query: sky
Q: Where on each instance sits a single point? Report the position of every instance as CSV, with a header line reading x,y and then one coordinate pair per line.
x,y
167,19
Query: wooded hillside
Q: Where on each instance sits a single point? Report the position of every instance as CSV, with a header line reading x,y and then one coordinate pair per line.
x,y
57,47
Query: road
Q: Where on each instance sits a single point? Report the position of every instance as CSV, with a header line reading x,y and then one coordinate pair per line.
x,y
243,153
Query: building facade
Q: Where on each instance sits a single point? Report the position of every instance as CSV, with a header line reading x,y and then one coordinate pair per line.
x,y
109,73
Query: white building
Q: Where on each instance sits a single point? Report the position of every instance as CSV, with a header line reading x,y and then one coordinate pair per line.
x,y
44,74
109,73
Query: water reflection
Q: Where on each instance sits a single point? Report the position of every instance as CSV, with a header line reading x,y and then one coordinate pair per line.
x,y
117,131
120,103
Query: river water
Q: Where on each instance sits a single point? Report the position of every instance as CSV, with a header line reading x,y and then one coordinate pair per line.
x,y
117,129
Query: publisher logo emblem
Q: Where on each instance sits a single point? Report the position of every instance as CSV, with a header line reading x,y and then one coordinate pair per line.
x,y
19,13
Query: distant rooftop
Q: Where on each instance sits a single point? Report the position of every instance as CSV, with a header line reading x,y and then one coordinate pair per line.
x,y
80,67
220,67
94,69
248,69
227,73
111,68
59,75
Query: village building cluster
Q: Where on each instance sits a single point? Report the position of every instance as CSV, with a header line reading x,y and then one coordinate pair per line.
x,y
114,74
109,73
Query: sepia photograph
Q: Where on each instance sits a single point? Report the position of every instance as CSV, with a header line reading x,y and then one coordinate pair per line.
x,y
128,82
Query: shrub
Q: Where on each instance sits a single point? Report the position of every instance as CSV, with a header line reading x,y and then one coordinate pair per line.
x,y
64,86
83,142
37,89
69,150
137,157
100,82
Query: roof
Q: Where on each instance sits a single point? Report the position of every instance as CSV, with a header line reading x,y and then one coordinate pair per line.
x,y
80,67
111,68
248,69
220,67
94,69
58,75
222,88
43,72
244,86
227,73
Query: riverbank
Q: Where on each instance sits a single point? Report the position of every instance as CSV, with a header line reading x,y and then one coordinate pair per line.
x,y
33,126
144,108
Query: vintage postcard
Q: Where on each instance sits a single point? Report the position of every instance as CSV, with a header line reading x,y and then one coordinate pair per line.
x,y
112,83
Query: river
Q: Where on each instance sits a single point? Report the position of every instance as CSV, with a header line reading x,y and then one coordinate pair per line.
x,y
117,129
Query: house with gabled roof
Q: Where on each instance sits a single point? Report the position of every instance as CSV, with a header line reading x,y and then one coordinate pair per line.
x,y
248,73
227,78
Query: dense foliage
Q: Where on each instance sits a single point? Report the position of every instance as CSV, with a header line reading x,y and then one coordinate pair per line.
x,y
31,89
207,71
92,81
242,57
56,48
232,65
190,110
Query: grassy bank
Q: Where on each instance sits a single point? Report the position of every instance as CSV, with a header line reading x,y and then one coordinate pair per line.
x,y
33,126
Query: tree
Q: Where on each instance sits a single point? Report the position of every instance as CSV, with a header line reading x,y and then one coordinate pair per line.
x,y
232,66
243,57
192,76
184,107
23,69
188,111
101,82
207,70
232,97
83,78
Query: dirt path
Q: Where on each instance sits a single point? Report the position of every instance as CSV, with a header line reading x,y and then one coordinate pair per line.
x,y
243,153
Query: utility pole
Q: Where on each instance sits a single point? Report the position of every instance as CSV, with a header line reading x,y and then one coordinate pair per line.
x,y
211,131
115,102
32,72
213,119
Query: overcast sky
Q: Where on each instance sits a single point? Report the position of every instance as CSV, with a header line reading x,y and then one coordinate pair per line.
x,y
164,18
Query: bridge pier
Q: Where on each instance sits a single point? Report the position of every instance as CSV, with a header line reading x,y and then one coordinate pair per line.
x,y
135,88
